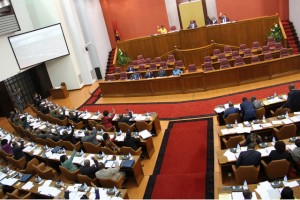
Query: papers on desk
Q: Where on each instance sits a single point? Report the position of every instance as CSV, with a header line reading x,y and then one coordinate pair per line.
x,y
235,195
266,125
78,160
95,117
291,147
139,117
110,163
276,122
45,189
99,137
295,118
287,121
28,149
103,194
226,131
272,101
291,184
79,133
224,196
219,109
262,189
230,156
256,127
42,127
9,181
37,151
264,152
120,138
116,117
296,113
145,134
2,175
55,156
27,186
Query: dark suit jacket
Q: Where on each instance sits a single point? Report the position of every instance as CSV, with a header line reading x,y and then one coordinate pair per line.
x,y
230,110
75,118
90,171
293,101
18,151
248,158
248,110
275,155
149,75
132,142
125,120
69,137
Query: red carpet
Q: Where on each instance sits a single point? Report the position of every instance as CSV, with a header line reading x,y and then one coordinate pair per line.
x,y
183,169
169,110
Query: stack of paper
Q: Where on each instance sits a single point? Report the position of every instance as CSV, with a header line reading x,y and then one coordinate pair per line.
x,y
120,138
28,149
2,175
9,181
295,118
276,122
296,113
291,147
266,125
230,156
27,186
291,184
264,152
78,160
219,109
256,127
287,121
262,190
37,151
109,164
145,134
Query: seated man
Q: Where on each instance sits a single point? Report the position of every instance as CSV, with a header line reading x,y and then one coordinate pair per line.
x,y
135,76
18,150
90,137
124,119
161,72
279,152
132,142
74,116
256,103
192,25
293,99
53,134
176,71
248,110
44,109
249,157
109,143
89,170
130,68
296,151
68,163
149,74
6,146
224,18
230,110
57,114
110,173
69,136
37,99
252,138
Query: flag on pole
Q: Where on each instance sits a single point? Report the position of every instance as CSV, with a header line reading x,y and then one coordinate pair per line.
x,y
116,32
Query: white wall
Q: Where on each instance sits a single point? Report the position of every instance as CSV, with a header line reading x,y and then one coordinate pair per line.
x,y
294,8
9,66
172,12
212,8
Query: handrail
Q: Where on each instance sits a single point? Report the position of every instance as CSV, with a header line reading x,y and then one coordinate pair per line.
x,y
283,32
115,56
166,54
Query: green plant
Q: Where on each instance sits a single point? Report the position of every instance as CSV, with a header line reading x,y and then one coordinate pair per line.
x,y
276,33
122,59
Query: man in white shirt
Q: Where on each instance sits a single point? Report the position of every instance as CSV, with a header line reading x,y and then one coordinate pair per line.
x,y
296,151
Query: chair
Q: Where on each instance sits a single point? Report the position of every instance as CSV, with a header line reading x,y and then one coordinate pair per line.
x,y
208,67
5,155
268,56
248,173
118,70
153,66
224,64
142,125
140,57
260,112
271,45
100,127
230,119
45,172
30,166
227,50
17,194
157,60
140,62
91,148
255,59
173,28
171,59
276,168
67,176
256,46
134,62
192,68
40,141
163,64
127,150
109,183
124,127
271,39
79,125
285,132
233,141
284,52
52,143
142,67
239,61
278,46
280,111
221,56
242,48
148,61
92,123
107,150
123,76
235,54
247,52
110,77
179,63
216,52
18,164
70,146
207,59
265,49
86,179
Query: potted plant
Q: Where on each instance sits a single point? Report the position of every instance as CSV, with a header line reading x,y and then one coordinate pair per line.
x,y
276,33
122,59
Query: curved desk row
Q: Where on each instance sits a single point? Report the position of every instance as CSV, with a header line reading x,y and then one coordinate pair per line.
x,y
201,81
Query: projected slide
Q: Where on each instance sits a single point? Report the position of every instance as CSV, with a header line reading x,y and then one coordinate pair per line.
x,y
38,46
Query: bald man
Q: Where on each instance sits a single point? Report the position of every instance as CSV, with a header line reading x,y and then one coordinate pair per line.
x,y
89,170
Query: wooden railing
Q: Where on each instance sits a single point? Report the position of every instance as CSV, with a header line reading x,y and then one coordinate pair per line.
x,y
284,38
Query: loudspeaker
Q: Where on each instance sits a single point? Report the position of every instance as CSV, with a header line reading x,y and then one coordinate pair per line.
x,y
98,73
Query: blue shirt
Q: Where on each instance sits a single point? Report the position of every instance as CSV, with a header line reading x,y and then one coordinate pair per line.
x,y
135,76
176,72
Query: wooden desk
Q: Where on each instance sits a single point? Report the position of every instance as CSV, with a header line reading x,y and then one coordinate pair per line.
x,y
200,81
59,92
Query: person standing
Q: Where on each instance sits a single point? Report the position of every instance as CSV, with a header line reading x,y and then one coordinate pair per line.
x,y
17,99
248,110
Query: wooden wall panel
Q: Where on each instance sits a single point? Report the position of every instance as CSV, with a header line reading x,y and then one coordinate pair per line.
x,y
283,66
192,82
166,85
193,38
253,72
221,78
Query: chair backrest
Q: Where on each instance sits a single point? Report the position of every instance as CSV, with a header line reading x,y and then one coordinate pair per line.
x,y
271,39
107,150
255,59
91,148
281,111
230,119
109,183
233,141
110,77
224,64
140,57
125,127
247,52
248,173
127,150
235,54
208,66
271,45
18,164
192,68
239,61
243,47
278,46
40,141
171,57
123,76
286,131
157,59
255,45
163,64
142,67
70,146
277,168
16,194
260,112
134,62
221,56
179,63
216,52
173,28
100,126
153,66
70,176
227,49
85,179
268,56
265,49
30,169
52,143
284,52
139,62
117,69
142,125
44,172
148,60
207,59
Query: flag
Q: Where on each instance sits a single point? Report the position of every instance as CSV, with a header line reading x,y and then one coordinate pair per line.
x,y
116,31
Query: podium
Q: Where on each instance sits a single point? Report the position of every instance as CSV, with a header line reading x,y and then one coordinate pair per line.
x,y
60,92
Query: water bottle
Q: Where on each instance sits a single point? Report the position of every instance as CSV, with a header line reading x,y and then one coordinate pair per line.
x,y
238,148
273,141
236,123
285,179
286,114
275,95
264,119
245,185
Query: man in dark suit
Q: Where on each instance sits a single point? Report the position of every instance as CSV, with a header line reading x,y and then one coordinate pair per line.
x,y
74,116
230,110
293,99
224,18
161,72
90,137
135,76
69,136
148,74
130,68
89,170
124,119
18,150
132,142
249,157
248,110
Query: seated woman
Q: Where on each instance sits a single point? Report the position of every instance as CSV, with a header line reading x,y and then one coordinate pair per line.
x,y
107,119
279,152
6,146
162,29
109,143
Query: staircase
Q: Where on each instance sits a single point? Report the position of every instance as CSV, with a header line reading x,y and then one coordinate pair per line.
x,y
110,68
292,38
